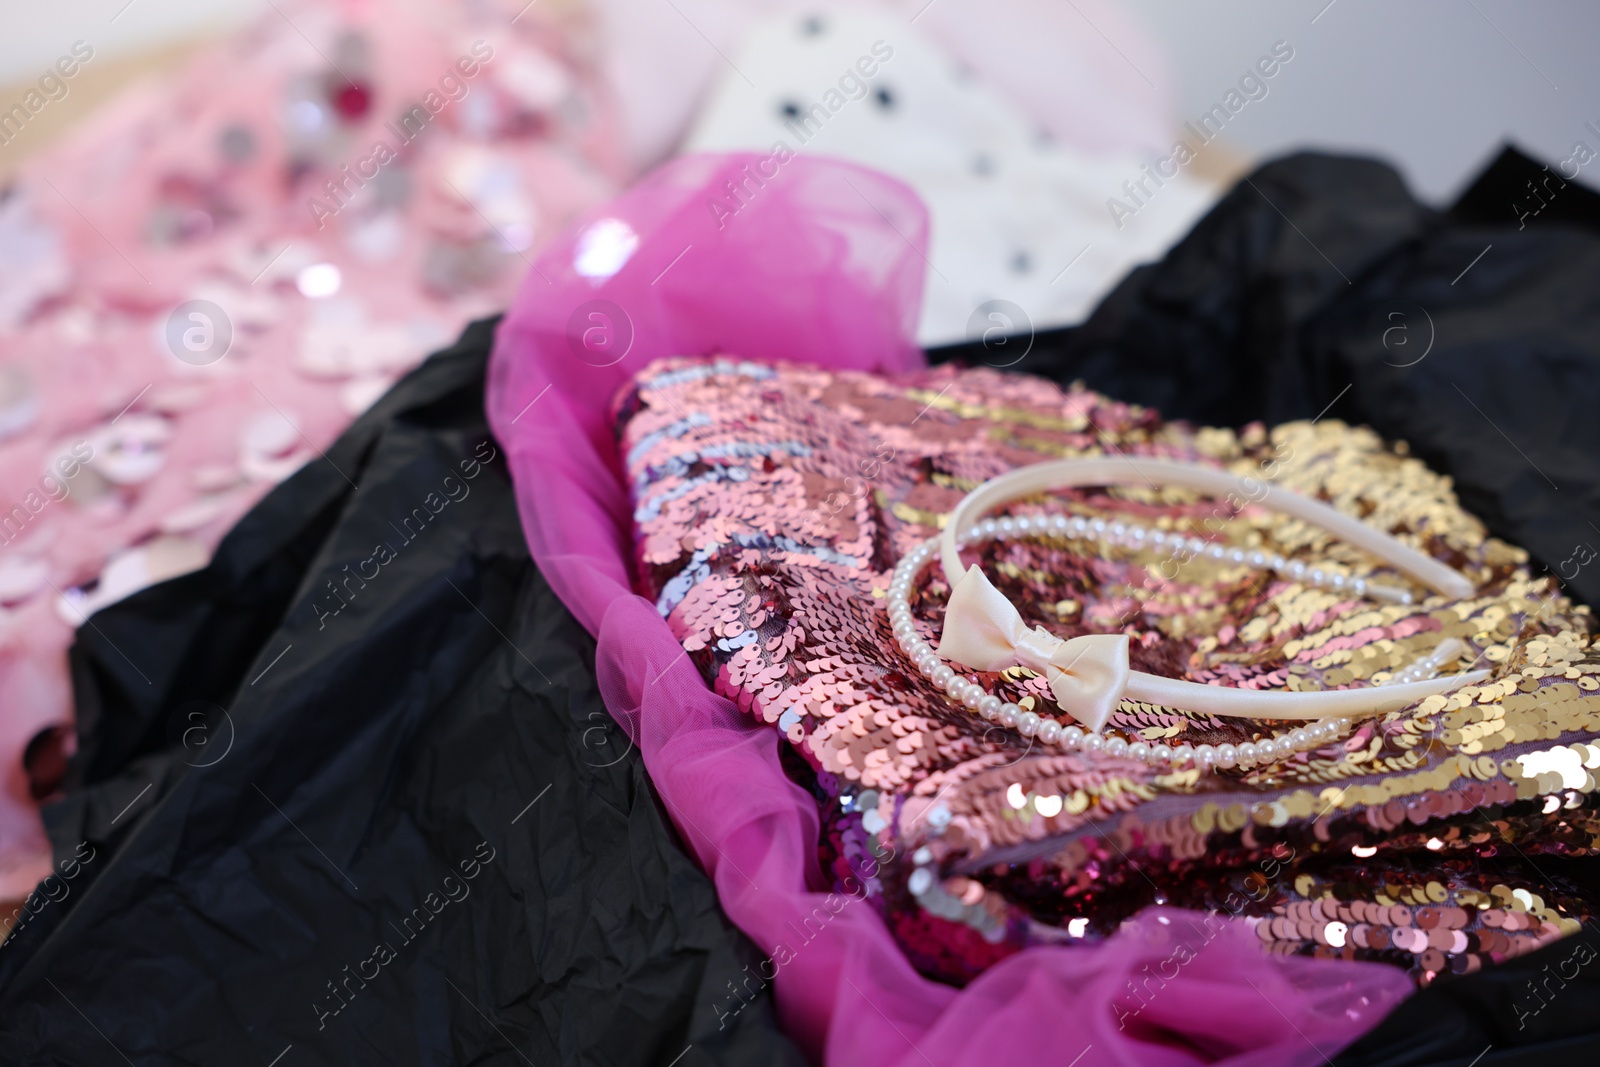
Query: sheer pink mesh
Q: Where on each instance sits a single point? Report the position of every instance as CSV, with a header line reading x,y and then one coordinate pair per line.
x,y
822,262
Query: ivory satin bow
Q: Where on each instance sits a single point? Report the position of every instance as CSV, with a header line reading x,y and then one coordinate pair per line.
x,y
984,632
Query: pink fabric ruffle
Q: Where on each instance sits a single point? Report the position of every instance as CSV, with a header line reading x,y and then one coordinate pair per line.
x,y
822,263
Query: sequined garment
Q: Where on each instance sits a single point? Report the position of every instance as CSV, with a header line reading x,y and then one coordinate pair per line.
x,y
771,504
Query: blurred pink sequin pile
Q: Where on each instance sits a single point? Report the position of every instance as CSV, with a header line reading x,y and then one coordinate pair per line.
x,y
136,426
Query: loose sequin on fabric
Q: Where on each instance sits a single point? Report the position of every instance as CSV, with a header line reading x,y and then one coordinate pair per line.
x,y
772,503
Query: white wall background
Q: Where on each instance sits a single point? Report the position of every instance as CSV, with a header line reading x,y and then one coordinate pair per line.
x,y
1431,84
34,32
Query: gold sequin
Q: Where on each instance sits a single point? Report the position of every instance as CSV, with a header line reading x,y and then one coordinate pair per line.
x,y
768,547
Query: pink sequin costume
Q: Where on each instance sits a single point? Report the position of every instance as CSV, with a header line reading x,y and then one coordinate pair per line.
x,y
822,266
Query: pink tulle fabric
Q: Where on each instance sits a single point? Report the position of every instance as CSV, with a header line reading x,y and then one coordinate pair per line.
x,y
822,263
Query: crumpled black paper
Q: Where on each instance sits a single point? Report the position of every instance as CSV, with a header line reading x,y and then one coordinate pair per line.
x,y
349,795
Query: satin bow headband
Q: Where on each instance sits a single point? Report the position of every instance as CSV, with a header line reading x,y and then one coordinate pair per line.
x,y
983,631
1088,676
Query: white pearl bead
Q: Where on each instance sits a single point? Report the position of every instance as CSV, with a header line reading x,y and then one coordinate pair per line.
x,y
1116,746
1097,527
1338,581
1247,753
1298,738
1297,569
1009,713
1197,545
1267,751
1235,555
1277,563
1059,523
1161,753
1049,732
1358,586
929,665
1072,737
1027,723
973,696
1093,743
1158,537
1316,575
987,527
1182,754
1227,755
1139,750
1117,530
1006,527
1405,598
1217,551
989,706
1137,534
1257,559
1206,753
941,676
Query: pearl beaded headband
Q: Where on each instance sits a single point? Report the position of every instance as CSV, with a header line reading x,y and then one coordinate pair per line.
x,y
1088,675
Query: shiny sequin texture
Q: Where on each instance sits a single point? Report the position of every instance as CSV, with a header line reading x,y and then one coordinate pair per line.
x,y
772,503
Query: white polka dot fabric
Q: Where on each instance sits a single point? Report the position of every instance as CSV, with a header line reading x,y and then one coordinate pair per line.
x,y
1022,231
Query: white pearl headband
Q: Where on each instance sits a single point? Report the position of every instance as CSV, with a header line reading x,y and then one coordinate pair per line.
x,y
1089,675
1072,473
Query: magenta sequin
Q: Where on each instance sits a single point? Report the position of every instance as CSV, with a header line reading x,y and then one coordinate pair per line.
x,y
772,504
